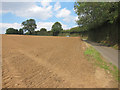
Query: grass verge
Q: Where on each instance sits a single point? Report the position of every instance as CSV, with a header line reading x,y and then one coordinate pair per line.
x,y
95,57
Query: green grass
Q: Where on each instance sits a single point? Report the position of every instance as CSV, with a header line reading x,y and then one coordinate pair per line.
x,y
105,43
96,58
115,46
84,37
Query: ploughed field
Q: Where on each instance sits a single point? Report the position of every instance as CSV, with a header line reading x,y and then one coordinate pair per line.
x,y
49,62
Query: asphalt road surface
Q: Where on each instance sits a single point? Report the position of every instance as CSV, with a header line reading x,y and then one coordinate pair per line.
x,y
110,54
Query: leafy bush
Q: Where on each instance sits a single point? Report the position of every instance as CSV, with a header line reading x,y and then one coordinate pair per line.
x,y
12,31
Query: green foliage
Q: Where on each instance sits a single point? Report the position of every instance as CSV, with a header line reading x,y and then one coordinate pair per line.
x,y
29,25
75,31
101,20
64,34
21,31
27,33
56,28
49,33
115,46
107,35
93,14
75,35
42,32
12,31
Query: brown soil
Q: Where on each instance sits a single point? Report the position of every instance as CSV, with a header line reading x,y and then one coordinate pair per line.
x,y
49,62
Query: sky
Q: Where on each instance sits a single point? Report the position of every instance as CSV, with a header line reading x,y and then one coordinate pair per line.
x,y
44,13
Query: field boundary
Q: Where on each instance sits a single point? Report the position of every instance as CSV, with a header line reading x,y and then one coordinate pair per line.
x,y
99,61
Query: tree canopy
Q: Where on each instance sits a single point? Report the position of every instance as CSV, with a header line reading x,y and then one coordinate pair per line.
x,y
43,30
29,25
12,31
21,31
91,14
56,28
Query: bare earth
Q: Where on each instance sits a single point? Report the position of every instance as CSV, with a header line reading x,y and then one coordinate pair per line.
x,y
49,62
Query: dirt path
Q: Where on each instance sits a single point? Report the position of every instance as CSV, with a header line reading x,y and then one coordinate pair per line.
x,y
49,62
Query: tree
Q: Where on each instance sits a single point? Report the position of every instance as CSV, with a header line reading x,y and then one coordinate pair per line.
x,y
56,28
12,31
36,32
29,25
49,33
21,31
99,20
93,14
43,30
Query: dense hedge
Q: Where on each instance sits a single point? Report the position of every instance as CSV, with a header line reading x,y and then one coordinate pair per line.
x,y
106,34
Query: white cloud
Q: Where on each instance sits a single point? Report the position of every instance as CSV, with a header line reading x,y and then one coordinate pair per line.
x,y
31,10
76,18
57,6
4,26
28,10
39,12
42,0
66,15
48,25
15,6
45,3
63,13
69,18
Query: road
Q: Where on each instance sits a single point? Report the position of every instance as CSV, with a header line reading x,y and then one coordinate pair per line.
x,y
110,54
49,62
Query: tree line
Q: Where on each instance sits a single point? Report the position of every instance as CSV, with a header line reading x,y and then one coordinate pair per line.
x,y
14,31
30,25
94,14
100,20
